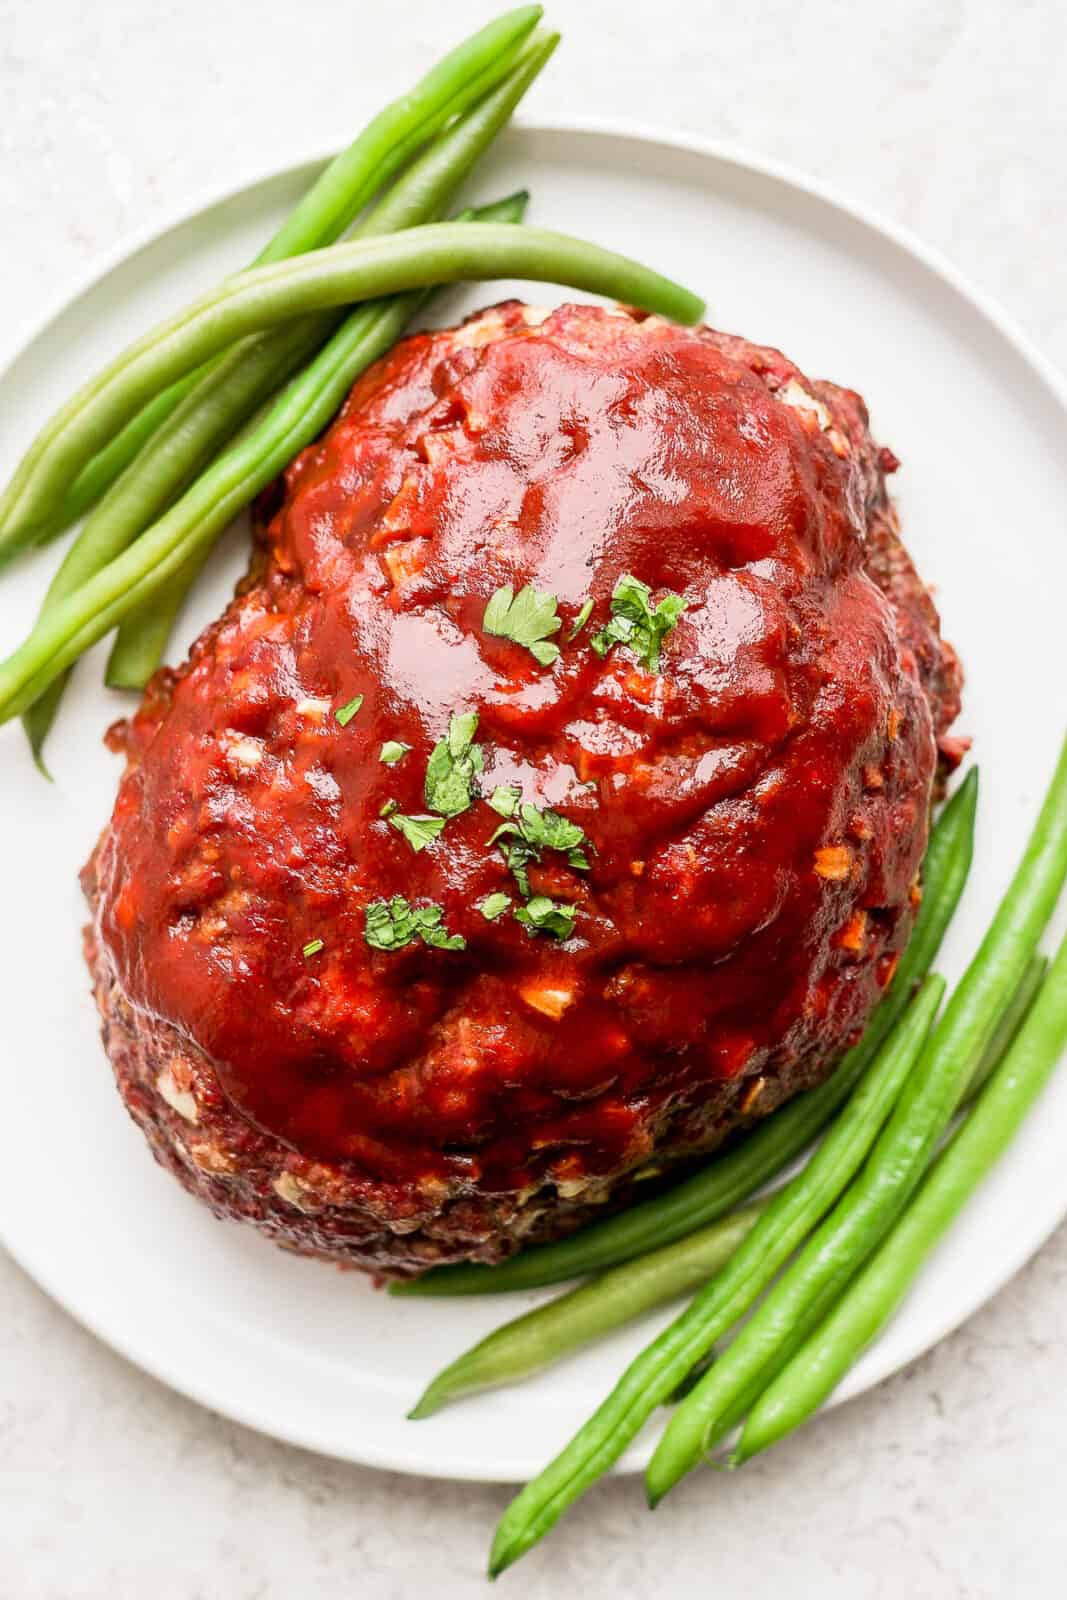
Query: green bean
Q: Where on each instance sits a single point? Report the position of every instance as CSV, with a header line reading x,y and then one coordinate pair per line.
x,y
838,1248
658,1370
998,1045
416,258
457,82
530,1343
730,1179
873,1297
337,196
143,635
1011,1021
189,528
798,1301
1010,943
228,485
241,379
183,443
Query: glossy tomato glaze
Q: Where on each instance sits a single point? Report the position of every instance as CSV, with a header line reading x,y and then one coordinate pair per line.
x,y
758,810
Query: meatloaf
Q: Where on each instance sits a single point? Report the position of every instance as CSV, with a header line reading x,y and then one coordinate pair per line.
x,y
419,933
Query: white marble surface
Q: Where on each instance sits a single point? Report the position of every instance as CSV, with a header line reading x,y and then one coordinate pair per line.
x,y
945,1482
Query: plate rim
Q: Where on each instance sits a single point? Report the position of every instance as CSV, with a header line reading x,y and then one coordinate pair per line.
x,y
744,161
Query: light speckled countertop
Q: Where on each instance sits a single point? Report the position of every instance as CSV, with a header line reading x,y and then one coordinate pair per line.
x,y
945,1482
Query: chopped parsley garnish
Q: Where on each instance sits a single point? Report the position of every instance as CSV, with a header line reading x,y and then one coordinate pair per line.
x,y
542,915
517,852
505,799
392,924
529,617
452,767
580,621
523,841
345,714
494,905
553,832
313,947
547,830
418,831
637,623
388,807
393,751
428,921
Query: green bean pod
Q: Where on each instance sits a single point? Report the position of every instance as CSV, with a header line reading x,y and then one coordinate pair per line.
x,y
217,404
458,81
1010,943
872,1298
341,191
189,528
530,1343
807,1322
731,1179
811,1284
142,637
417,258
1015,1013
656,1373
839,1247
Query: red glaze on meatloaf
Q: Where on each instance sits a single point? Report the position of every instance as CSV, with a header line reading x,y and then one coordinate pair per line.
x,y
757,811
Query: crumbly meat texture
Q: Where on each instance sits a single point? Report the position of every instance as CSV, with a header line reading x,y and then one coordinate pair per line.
x,y
756,812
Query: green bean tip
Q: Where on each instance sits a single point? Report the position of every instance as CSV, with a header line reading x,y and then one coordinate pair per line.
x,y
967,793
500,1563
41,765
427,1404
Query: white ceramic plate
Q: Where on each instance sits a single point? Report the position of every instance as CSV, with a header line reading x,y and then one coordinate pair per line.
x,y
315,1356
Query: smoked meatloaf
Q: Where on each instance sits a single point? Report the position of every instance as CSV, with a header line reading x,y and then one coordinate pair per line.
x,y
311,1012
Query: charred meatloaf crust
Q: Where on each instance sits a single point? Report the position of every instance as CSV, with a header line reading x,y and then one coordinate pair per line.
x,y
754,813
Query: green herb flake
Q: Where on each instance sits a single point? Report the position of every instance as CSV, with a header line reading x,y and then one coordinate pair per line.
x,y
392,751
418,831
542,915
392,924
529,618
637,623
517,851
461,731
454,763
494,905
549,831
580,621
313,947
428,927
505,799
345,714
536,830
388,807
